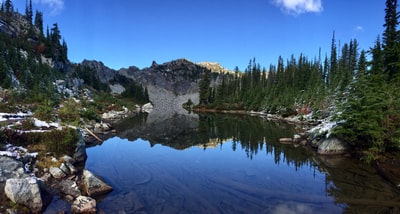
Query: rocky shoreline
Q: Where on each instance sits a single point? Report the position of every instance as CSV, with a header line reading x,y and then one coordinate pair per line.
x,y
33,188
315,136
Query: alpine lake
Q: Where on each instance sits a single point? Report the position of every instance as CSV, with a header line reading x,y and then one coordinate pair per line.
x,y
221,163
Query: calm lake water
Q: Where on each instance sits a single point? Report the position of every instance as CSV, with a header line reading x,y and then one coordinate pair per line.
x,y
228,164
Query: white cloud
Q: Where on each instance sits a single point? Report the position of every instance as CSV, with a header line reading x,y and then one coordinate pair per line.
x,y
297,7
55,6
359,28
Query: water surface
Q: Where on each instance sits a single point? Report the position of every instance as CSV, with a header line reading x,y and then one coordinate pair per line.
x,y
228,164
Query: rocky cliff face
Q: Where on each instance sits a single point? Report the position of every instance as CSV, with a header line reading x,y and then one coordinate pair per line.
x,y
169,84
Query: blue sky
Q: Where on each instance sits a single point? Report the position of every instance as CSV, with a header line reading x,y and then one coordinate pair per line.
x,y
136,32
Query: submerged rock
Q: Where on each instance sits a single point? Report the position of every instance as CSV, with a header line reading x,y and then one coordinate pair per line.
x,y
93,186
26,192
83,204
333,146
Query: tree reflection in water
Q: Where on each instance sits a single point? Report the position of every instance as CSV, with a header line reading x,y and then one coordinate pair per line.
x,y
322,184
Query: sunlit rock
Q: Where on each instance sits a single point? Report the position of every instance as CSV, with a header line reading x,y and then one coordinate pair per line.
x,y
333,146
93,186
25,192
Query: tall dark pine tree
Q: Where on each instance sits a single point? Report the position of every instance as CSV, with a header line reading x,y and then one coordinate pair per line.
x,y
9,8
29,12
377,58
391,39
39,22
333,62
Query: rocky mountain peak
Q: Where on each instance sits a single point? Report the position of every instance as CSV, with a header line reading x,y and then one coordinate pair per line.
x,y
215,67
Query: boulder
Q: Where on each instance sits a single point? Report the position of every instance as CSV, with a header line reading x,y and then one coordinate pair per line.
x,y
71,168
69,187
94,186
83,204
57,172
80,155
65,169
333,146
148,107
27,192
10,168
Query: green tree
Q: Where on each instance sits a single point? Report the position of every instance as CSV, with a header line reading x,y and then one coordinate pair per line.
x,y
204,88
391,39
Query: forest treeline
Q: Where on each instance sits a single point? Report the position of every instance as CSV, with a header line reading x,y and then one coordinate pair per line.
x,y
362,95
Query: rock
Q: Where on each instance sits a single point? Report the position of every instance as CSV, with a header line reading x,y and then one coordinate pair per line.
x,y
71,168
57,172
101,127
69,187
315,143
333,146
65,169
10,168
296,138
286,140
83,204
93,186
148,107
26,192
303,142
80,155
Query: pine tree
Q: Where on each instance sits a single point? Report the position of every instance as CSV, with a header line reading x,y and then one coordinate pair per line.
x,y
9,8
377,62
39,22
204,88
29,12
391,39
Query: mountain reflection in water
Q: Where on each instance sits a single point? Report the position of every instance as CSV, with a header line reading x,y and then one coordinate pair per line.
x,y
216,163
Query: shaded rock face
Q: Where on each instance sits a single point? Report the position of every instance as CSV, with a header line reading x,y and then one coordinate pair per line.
x,y
104,73
27,192
170,84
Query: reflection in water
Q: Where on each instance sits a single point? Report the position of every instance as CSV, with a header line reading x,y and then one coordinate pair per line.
x,y
228,164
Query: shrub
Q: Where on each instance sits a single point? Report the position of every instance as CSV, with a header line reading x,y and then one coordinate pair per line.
x,y
69,112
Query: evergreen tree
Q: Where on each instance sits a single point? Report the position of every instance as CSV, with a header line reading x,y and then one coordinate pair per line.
x,y
39,22
333,63
29,12
362,65
204,88
9,8
391,39
377,62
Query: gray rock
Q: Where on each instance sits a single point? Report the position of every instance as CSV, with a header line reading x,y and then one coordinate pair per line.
x,y
333,146
69,187
26,192
10,168
80,151
148,107
57,172
65,169
93,186
71,168
83,204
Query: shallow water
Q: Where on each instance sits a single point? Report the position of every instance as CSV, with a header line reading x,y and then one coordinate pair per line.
x,y
228,164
